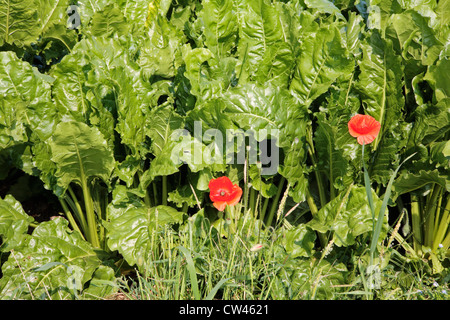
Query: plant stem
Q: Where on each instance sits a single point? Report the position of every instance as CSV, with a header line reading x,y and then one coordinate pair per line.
x,y
252,200
314,211
264,209
90,215
322,196
70,217
164,190
274,206
430,215
77,209
440,237
416,224
155,197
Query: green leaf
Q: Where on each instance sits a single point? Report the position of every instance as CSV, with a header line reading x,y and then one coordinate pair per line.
x,y
299,241
27,102
109,21
219,18
162,124
208,76
380,83
69,88
411,181
160,52
266,187
14,223
131,230
254,107
330,142
439,79
135,11
55,261
51,12
322,60
182,195
87,8
324,6
348,216
416,38
80,153
380,86
18,22
267,42
255,110
431,123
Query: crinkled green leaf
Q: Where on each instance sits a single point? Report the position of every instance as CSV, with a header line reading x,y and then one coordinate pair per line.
x,y
431,123
53,263
18,22
208,76
332,161
220,26
130,230
69,88
267,42
181,196
80,153
252,109
348,216
412,181
162,127
160,52
295,278
108,21
299,241
51,12
324,6
380,83
14,223
380,88
416,38
266,187
26,101
322,60
439,79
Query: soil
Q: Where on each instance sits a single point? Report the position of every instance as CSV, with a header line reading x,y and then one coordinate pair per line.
x,y
36,201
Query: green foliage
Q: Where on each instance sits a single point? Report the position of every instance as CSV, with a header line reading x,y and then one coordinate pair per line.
x,y
105,115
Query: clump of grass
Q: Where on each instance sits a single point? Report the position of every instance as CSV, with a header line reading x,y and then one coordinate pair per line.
x,y
197,263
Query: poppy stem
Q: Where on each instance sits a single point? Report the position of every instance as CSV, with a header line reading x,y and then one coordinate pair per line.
x,y
252,200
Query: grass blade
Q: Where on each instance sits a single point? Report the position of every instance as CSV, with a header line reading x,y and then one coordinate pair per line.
x,y
387,195
214,290
192,272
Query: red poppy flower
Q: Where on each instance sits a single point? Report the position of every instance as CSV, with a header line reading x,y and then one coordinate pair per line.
x,y
364,127
223,192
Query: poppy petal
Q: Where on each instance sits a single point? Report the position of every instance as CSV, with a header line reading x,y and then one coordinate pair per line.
x,y
235,196
220,183
223,192
364,127
220,205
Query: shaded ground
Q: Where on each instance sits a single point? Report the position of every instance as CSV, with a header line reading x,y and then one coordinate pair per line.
x,y
36,201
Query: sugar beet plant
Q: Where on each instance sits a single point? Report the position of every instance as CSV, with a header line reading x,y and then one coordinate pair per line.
x,y
302,129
